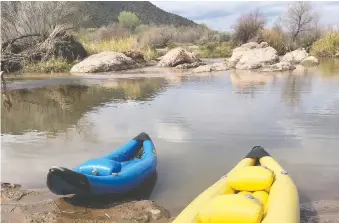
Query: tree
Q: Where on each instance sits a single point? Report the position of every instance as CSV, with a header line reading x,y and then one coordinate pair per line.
x,y
249,26
128,19
36,17
300,18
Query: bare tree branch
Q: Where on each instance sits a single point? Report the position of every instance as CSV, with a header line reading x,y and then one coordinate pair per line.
x,y
37,17
300,17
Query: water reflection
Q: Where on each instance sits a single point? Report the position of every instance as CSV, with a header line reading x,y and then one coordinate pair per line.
x,y
55,108
248,82
329,68
293,87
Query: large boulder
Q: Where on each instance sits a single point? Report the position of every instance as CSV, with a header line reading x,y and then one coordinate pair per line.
x,y
281,66
310,61
176,57
295,57
103,62
253,56
212,67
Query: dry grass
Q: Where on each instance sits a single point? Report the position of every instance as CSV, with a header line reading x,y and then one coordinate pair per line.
x,y
276,39
215,50
119,45
53,65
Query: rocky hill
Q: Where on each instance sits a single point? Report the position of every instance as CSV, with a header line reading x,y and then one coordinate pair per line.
x,y
105,12
99,13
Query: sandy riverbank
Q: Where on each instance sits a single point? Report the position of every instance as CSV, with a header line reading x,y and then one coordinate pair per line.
x,y
19,205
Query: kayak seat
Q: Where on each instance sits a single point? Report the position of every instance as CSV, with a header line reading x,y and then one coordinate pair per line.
x,y
231,208
126,164
100,167
251,178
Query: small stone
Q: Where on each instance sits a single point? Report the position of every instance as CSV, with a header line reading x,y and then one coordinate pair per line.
x,y
156,214
310,61
295,57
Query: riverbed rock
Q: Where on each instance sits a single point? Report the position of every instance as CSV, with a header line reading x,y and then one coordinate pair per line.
x,y
253,56
135,55
212,67
295,57
281,66
310,61
176,57
103,62
190,65
159,58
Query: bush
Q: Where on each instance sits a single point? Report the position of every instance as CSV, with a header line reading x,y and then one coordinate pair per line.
x,y
21,18
157,37
104,33
53,65
276,39
327,46
215,50
248,26
128,20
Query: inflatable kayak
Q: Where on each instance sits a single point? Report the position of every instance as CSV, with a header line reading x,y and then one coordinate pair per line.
x,y
118,172
256,190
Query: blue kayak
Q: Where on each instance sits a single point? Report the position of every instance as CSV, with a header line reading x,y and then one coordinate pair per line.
x,y
115,173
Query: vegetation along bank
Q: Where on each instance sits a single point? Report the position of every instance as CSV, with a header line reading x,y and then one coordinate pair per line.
x,y
140,30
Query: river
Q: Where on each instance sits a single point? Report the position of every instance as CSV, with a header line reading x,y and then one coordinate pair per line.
x,y
201,125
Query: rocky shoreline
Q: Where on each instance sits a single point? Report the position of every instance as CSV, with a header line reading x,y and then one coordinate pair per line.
x,y
21,205
250,56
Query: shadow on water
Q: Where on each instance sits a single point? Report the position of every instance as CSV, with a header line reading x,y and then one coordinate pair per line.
x,y
143,192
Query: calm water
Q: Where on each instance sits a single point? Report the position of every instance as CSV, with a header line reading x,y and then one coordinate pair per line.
x,y
201,126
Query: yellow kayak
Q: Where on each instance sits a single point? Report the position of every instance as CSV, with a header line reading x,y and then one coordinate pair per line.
x,y
256,190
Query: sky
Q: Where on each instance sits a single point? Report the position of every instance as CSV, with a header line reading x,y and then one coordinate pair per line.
x,y
221,15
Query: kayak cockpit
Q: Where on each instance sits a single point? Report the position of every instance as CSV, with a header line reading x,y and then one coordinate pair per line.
x,y
117,171
256,190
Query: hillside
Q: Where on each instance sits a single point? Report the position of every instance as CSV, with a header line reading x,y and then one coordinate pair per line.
x,y
105,12
99,13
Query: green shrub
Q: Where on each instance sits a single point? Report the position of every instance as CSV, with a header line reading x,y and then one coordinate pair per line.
x,y
215,50
54,65
128,19
327,46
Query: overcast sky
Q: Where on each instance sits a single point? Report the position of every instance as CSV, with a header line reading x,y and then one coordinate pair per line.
x,y
221,15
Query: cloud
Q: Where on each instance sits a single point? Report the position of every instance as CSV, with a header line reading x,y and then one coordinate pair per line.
x,y
221,15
